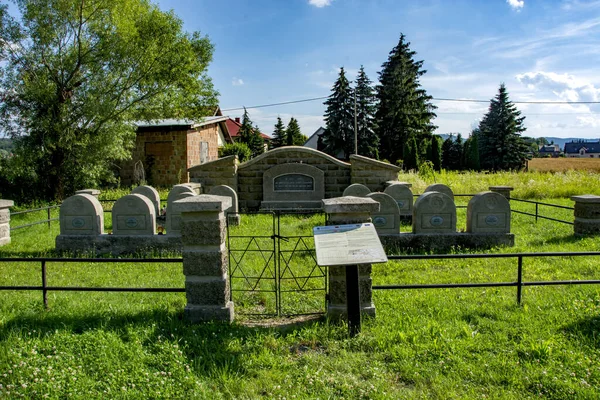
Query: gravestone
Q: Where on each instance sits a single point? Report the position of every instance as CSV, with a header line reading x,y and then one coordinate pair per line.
x,y
5,221
387,219
81,215
404,198
173,222
233,218
293,186
434,212
356,190
441,188
488,212
133,214
151,194
196,187
93,192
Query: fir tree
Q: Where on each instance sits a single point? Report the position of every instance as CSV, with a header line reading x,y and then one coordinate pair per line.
x,y
500,144
251,136
293,136
452,152
410,154
368,142
279,138
436,152
339,118
471,152
405,110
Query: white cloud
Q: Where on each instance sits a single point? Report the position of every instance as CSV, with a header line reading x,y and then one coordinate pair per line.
x,y
516,4
320,3
237,81
564,86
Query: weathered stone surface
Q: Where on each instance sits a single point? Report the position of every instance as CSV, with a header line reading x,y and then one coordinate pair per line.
x,y
151,194
4,234
440,188
503,190
390,183
93,192
587,214
337,291
6,203
207,291
446,241
195,186
350,205
117,245
204,313
200,233
293,185
434,212
81,214
203,203
205,263
387,219
133,214
224,190
4,216
356,190
488,212
173,222
403,196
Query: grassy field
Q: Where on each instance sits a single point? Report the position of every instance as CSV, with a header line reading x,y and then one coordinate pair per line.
x,y
564,164
460,343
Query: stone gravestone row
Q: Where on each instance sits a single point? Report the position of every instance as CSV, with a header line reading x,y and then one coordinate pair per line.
x,y
488,212
434,212
403,197
356,190
5,221
387,219
81,215
441,188
133,214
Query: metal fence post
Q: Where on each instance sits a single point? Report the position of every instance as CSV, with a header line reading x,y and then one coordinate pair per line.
x,y
44,291
48,217
519,279
536,212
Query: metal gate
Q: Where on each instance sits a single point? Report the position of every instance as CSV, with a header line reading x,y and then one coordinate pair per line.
x,y
272,264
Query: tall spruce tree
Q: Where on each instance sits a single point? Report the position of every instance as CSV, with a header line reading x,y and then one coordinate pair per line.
x,y
500,144
405,110
436,152
251,136
279,138
339,118
410,155
293,136
471,152
368,141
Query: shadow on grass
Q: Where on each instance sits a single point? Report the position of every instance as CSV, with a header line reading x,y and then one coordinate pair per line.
x,y
212,348
585,331
564,239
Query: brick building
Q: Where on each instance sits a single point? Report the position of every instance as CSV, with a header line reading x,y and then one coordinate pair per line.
x,y
165,149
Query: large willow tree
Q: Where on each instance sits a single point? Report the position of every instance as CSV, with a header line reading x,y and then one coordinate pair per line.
x,y
76,73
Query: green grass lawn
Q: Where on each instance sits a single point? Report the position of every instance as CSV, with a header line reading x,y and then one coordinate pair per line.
x,y
443,343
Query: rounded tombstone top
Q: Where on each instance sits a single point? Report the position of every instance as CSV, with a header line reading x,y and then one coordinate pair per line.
x,y
147,191
356,190
436,201
81,203
386,201
179,189
441,188
224,190
491,201
398,190
81,214
134,203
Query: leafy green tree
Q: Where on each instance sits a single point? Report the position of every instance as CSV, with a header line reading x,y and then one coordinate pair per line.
x,y
452,150
339,118
368,141
76,73
236,149
279,137
405,110
436,152
293,135
250,136
500,144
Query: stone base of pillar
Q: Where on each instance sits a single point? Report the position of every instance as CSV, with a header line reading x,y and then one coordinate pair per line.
x,y
339,311
4,240
202,313
585,227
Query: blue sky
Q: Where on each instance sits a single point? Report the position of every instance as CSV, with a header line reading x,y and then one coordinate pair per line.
x,y
269,51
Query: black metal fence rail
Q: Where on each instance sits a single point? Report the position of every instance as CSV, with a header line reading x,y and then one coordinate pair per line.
x,y
519,284
45,288
47,220
537,213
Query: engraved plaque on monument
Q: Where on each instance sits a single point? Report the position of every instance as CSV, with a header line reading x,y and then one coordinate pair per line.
x,y
293,186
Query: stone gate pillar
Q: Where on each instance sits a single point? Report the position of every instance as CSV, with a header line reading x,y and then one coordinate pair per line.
x,y
5,221
587,215
503,190
205,261
349,210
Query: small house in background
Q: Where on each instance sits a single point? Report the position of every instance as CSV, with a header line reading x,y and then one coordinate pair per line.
x,y
165,149
549,150
582,149
315,141
234,125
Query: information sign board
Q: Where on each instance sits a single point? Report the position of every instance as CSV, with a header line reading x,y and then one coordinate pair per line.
x,y
348,245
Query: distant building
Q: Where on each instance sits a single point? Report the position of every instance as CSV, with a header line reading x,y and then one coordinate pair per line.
x,y
549,150
234,125
582,149
314,141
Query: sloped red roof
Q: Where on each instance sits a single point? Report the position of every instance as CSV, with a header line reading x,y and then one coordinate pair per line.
x,y
234,128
